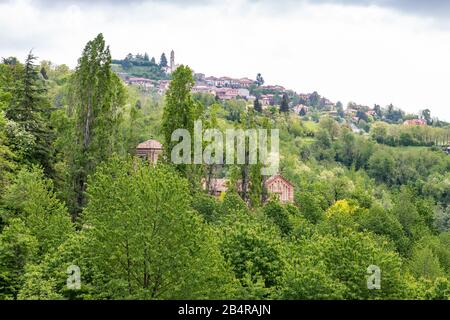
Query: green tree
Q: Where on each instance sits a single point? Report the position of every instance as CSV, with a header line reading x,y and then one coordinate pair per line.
x,y
97,97
311,206
424,263
7,157
180,110
259,80
31,198
340,109
426,114
381,167
280,216
163,61
331,126
346,257
257,105
17,248
150,244
29,107
284,107
253,249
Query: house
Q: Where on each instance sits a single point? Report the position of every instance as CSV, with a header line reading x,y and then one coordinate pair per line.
x,y
143,82
150,150
224,82
304,97
327,104
244,93
281,187
245,82
275,185
226,93
204,89
415,122
274,88
234,83
350,111
298,108
211,81
266,99
163,86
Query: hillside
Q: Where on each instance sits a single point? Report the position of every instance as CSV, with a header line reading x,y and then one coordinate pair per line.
x,y
140,66
90,183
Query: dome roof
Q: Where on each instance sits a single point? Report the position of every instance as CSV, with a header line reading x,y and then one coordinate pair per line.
x,y
150,144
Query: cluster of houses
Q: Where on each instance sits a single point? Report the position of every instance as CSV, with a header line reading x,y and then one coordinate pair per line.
x,y
415,122
160,85
223,89
151,150
223,93
224,81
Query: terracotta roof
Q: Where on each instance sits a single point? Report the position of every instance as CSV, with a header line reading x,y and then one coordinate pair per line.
x,y
277,176
150,144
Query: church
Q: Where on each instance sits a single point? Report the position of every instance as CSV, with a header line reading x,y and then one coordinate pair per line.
x,y
151,150
275,185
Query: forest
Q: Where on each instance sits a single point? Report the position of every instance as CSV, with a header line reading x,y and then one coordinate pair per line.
x,y
74,193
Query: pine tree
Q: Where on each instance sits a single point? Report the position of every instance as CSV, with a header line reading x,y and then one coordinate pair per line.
x,y
31,109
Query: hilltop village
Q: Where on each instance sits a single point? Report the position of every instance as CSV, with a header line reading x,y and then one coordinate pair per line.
x,y
138,70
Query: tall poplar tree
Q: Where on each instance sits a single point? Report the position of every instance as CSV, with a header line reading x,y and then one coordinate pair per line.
x,y
180,110
97,97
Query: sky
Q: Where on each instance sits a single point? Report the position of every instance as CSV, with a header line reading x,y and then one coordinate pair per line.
x,y
366,51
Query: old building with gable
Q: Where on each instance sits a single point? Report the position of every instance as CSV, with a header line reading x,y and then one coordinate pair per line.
x,y
150,150
275,185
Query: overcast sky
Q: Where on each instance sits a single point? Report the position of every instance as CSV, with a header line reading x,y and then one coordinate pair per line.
x,y
367,51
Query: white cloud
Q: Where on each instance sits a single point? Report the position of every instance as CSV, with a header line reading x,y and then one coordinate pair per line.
x,y
364,54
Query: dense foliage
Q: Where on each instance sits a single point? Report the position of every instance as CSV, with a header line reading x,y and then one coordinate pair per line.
x,y
72,193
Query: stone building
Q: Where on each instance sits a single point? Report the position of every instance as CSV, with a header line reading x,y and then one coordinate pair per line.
x,y
275,185
150,150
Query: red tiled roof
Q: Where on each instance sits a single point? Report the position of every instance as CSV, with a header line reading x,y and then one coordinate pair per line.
x,y
275,177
